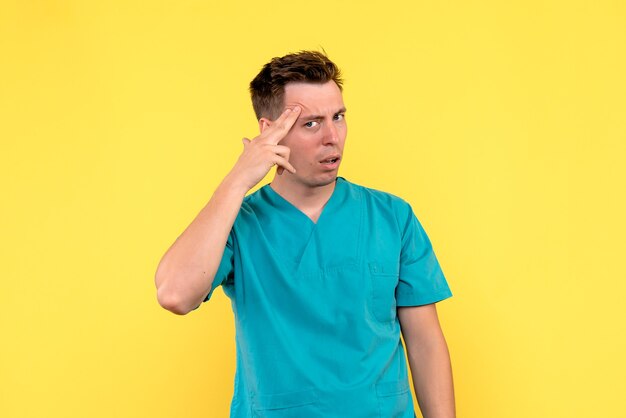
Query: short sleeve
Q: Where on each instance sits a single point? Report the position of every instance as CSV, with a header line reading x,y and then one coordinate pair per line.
x,y
224,272
421,279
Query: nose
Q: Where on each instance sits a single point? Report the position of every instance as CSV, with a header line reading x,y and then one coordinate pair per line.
x,y
331,136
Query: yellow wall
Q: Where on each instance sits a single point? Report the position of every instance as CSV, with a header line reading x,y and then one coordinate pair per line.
x,y
502,123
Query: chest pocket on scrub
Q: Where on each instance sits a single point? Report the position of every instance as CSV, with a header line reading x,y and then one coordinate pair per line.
x,y
384,279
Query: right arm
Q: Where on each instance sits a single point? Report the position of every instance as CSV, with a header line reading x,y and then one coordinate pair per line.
x,y
185,274
186,271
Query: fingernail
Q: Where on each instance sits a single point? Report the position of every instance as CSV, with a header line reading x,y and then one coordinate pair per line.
x,y
296,109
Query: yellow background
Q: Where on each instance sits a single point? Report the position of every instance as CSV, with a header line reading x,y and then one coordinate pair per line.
x,y
502,123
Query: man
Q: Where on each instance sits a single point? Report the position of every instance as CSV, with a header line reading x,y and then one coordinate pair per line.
x,y
323,274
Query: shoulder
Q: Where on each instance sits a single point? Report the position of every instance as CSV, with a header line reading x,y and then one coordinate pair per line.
x,y
252,200
379,199
254,208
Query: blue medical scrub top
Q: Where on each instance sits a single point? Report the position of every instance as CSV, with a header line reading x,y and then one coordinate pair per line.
x,y
315,303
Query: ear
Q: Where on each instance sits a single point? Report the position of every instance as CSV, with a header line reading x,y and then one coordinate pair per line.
x,y
264,123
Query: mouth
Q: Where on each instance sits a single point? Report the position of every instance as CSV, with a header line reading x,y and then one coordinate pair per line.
x,y
331,159
331,162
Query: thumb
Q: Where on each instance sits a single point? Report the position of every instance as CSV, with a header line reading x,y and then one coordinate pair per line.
x,y
245,141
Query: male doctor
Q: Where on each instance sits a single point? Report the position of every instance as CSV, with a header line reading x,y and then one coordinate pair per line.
x,y
324,275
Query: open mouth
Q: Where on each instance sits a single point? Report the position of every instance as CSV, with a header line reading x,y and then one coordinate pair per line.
x,y
330,160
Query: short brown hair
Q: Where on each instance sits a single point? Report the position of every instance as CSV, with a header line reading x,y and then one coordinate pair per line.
x,y
268,87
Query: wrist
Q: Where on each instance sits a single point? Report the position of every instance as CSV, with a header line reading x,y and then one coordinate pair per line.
x,y
233,184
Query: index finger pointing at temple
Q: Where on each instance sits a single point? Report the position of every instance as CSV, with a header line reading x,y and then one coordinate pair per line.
x,y
283,124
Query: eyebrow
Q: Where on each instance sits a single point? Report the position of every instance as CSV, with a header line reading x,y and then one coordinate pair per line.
x,y
317,117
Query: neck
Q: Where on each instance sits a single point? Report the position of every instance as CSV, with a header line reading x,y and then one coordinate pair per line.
x,y
308,199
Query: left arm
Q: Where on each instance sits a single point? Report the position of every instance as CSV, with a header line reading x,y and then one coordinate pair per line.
x,y
429,360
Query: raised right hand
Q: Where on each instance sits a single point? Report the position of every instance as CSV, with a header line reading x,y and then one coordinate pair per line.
x,y
263,152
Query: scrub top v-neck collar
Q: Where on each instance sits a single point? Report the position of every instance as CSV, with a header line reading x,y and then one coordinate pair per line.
x,y
301,244
283,204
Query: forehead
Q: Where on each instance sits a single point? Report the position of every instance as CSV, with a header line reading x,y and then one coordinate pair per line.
x,y
314,97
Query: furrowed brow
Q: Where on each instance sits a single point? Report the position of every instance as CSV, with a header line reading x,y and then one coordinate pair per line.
x,y
318,117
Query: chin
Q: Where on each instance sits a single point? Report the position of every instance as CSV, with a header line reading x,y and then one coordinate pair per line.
x,y
320,181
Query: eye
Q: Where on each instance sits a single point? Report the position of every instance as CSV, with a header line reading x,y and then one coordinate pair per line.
x,y
310,124
340,116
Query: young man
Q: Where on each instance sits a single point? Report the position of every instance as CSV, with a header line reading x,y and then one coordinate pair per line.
x,y
323,274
